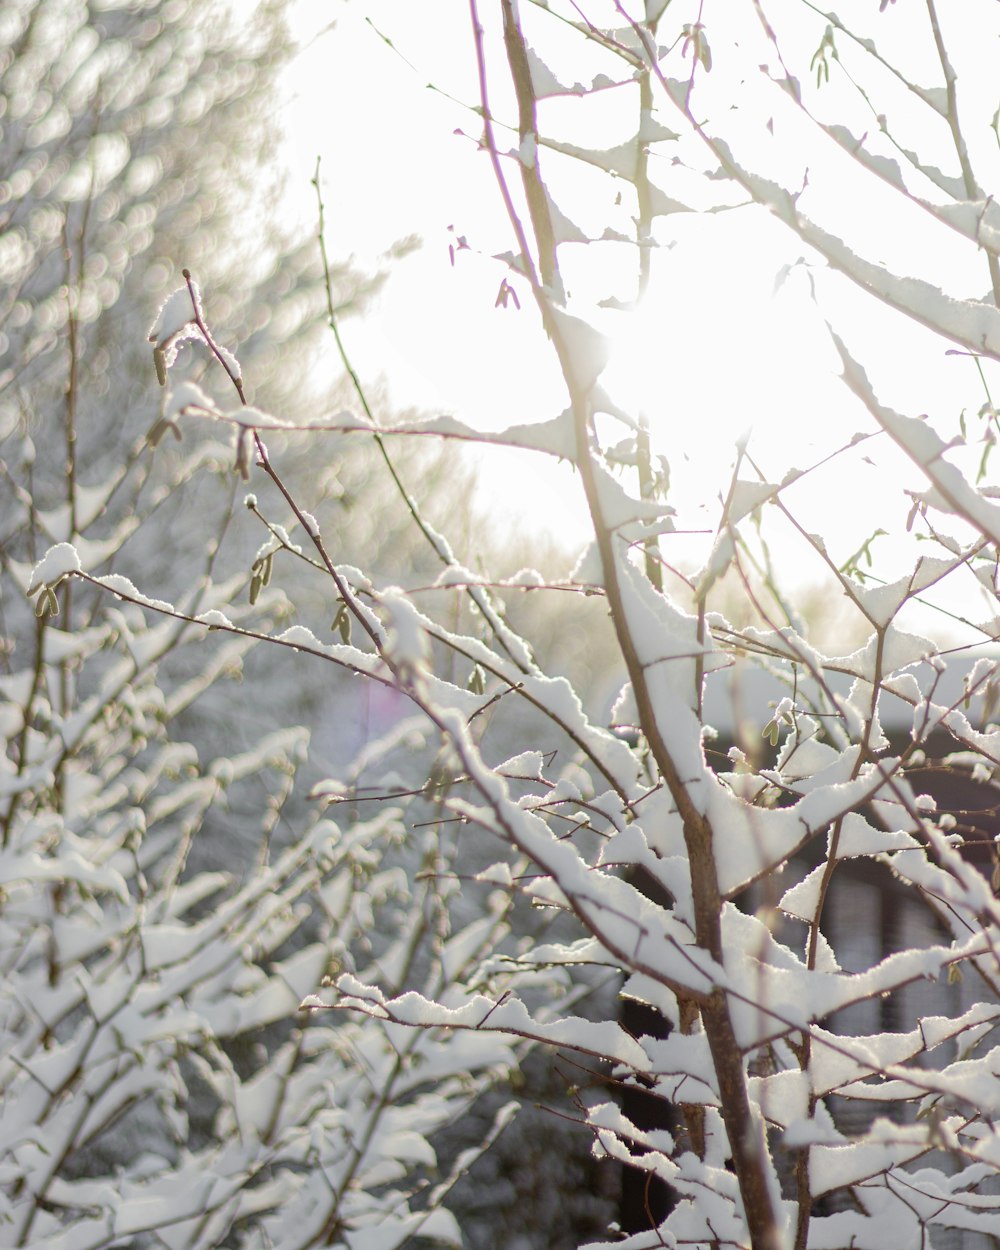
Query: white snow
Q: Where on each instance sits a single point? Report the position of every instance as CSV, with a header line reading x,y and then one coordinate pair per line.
x,y
123,587
186,396
58,562
176,312
587,350
215,619
256,419
406,640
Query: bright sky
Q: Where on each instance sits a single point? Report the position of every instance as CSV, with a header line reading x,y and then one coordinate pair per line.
x,y
715,350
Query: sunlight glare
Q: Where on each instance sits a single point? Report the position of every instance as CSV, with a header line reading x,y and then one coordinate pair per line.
x,y
710,358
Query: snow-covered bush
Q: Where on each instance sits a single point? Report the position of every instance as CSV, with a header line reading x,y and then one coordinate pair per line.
x,y
763,1154
129,983
754,1059
790,1126
157,1083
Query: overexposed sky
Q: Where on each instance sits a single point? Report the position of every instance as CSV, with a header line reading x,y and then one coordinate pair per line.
x,y
716,350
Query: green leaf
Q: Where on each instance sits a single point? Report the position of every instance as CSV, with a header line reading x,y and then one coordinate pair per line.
x,y
984,460
342,624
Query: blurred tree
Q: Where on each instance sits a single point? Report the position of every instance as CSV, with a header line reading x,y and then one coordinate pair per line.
x,y
136,139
